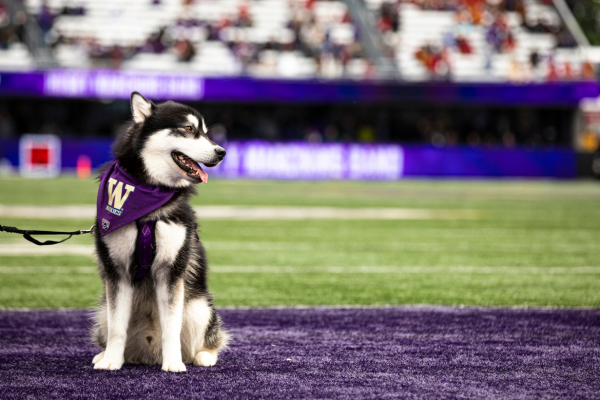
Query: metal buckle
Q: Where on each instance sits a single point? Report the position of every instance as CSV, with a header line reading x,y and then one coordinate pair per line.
x,y
91,230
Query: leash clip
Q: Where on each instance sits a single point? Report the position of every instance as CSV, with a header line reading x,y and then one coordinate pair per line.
x,y
91,230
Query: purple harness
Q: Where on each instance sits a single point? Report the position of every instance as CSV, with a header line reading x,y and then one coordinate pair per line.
x,y
119,189
145,247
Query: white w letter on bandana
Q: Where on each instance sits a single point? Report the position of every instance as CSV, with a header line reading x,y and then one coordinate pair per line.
x,y
114,193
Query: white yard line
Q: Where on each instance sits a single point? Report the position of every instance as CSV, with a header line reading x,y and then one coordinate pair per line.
x,y
254,213
48,270
29,249
406,270
48,212
263,213
394,246
400,270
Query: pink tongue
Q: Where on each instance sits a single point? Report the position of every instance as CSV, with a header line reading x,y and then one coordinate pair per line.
x,y
203,175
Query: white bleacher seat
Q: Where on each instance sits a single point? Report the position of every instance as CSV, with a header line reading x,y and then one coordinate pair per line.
x,y
357,68
72,56
16,57
342,34
214,58
292,64
330,12
152,62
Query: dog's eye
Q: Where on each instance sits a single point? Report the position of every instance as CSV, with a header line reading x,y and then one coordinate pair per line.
x,y
189,128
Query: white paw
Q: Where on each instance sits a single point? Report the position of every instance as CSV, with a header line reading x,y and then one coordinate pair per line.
x,y
98,358
109,364
205,359
177,366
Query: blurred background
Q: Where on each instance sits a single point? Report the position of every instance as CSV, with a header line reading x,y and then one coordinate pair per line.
x,y
451,79
326,106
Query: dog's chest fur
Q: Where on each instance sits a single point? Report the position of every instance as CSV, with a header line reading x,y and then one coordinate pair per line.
x,y
121,244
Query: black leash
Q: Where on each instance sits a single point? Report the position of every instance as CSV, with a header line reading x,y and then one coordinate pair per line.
x,y
27,234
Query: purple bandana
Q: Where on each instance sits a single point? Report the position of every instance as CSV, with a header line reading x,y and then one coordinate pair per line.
x,y
123,199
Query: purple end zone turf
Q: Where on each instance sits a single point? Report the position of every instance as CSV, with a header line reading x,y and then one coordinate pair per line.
x,y
401,352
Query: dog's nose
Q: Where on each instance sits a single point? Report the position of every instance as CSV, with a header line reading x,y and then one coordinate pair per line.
x,y
220,152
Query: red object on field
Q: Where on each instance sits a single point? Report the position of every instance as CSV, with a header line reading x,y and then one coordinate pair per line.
x,y
39,155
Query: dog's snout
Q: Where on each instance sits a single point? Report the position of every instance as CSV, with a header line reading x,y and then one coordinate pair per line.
x,y
220,152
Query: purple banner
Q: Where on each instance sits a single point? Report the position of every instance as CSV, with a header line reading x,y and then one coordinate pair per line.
x,y
117,84
120,84
266,160
489,162
335,161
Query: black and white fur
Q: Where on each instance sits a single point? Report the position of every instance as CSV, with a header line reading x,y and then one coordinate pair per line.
x,y
167,317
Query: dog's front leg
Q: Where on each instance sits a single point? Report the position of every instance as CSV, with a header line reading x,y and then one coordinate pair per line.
x,y
119,296
170,309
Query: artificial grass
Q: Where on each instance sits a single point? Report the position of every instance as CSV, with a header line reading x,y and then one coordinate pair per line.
x,y
324,353
536,245
68,190
73,289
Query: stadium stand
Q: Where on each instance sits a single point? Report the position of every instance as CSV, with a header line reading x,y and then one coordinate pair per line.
x,y
462,40
479,40
295,39
13,51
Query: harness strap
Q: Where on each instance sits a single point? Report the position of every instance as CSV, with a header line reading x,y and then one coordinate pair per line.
x,y
145,247
27,234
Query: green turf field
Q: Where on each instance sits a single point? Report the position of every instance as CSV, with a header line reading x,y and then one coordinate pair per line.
x,y
535,243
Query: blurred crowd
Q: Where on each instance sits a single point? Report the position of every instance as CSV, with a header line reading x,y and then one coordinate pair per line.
x,y
185,37
314,39
12,28
311,39
499,37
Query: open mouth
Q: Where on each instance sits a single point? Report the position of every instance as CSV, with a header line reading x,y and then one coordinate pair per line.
x,y
190,167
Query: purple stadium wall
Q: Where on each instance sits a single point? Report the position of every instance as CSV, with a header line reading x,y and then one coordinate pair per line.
x,y
110,84
300,160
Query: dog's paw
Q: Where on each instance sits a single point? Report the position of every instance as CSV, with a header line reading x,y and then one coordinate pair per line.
x,y
111,365
176,366
98,358
205,359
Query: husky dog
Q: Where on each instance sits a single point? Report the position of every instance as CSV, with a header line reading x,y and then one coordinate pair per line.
x,y
166,317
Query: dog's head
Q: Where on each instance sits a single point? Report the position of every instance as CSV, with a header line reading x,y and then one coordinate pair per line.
x,y
170,141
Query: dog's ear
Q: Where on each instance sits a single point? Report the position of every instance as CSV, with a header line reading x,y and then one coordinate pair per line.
x,y
140,107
